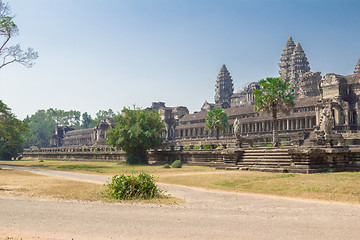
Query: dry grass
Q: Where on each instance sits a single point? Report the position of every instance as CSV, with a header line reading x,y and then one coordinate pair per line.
x,y
26,184
342,187
105,168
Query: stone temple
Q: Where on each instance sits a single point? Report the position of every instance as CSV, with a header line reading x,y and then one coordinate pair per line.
x,y
312,91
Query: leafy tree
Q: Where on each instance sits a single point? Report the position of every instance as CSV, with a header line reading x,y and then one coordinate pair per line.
x,y
87,121
11,133
273,97
136,131
103,114
8,30
42,126
43,123
65,118
217,120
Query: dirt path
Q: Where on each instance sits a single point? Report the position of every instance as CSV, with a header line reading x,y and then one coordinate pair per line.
x,y
206,215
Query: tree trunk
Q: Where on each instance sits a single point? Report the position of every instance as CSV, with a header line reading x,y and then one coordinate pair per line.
x,y
275,129
217,133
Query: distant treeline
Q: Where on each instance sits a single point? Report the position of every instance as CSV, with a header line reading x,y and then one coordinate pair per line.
x,y
42,124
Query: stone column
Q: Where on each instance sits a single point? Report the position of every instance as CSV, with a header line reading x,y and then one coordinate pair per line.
x,y
357,107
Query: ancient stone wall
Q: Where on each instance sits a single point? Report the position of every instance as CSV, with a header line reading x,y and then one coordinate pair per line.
x,y
287,159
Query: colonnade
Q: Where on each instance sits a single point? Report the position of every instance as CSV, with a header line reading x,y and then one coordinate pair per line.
x,y
265,126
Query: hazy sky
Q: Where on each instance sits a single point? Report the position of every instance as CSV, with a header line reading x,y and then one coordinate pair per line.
x,y
105,54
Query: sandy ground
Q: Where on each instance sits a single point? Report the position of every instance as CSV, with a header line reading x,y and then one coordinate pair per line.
x,y
205,215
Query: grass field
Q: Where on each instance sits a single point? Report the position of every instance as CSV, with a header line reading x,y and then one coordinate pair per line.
x,y
342,187
20,183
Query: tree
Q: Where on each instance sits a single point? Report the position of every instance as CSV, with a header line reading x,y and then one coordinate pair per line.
x,y
217,120
43,123
136,131
8,30
42,126
103,114
272,97
87,121
12,132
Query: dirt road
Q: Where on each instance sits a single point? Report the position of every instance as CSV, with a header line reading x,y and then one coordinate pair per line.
x,y
205,215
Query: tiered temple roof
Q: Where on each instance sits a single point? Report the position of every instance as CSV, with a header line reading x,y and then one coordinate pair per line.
x,y
285,59
357,68
224,87
298,64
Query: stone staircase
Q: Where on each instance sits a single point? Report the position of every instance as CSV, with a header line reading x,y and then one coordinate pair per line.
x,y
265,159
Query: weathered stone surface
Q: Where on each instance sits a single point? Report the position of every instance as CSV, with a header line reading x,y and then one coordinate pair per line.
x,y
224,87
309,84
357,67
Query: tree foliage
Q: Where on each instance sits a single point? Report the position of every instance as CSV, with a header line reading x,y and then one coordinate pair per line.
x,y
136,131
216,120
273,97
43,123
89,122
8,30
12,132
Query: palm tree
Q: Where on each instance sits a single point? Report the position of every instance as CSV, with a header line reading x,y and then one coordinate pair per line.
x,y
217,120
273,97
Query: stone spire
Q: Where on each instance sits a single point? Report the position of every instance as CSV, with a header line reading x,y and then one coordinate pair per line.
x,y
298,66
224,87
357,68
285,59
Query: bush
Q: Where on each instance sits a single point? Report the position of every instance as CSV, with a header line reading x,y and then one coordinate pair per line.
x,y
133,187
166,166
206,146
41,160
176,164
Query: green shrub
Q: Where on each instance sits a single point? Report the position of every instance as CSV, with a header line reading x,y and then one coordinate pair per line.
x,y
196,147
206,146
41,160
166,166
176,164
133,187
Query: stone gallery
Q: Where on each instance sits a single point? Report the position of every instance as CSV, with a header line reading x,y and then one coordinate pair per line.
x,y
313,93
321,133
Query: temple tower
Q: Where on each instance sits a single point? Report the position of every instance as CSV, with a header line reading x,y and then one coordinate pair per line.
x,y
285,59
357,68
298,65
224,87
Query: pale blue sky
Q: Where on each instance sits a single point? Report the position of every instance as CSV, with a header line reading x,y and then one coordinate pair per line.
x,y
110,54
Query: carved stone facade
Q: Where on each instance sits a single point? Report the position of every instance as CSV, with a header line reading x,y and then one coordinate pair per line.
x,y
224,87
340,94
286,59
170,116
309,84
244,97
56,140
357,68
298,66
293,63
66,136
313,93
